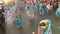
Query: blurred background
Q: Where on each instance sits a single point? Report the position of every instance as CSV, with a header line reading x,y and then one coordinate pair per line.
x,y
23,16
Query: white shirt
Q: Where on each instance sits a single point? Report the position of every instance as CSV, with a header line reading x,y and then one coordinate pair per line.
x,y
48,6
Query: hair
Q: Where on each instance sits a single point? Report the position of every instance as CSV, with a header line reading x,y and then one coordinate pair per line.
x,y
42,24
16,16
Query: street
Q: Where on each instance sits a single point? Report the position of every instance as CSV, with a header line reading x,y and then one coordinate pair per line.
x,y
29,27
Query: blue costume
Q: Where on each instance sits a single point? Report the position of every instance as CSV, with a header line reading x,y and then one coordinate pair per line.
x,y
41,9
58,12
18,21
30,8
48,28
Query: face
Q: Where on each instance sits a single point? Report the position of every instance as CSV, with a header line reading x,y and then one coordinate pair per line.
x,y
43,26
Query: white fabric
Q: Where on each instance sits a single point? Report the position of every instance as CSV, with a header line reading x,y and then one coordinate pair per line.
x,y
48,6
30,14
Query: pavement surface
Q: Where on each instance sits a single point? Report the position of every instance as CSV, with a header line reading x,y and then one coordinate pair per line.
x,y
29,27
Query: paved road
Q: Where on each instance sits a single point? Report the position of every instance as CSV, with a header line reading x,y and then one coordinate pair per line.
x,y
53,18
28,28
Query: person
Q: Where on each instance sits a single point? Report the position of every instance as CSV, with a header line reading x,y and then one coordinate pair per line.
x,y
49,8
48,1
55,5
44,27
41,9
2,16
18,22
34,2
30,8
58,12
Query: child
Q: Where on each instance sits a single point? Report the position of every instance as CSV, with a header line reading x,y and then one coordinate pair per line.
x,y
18,22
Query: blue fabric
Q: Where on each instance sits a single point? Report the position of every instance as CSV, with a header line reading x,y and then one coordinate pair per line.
x,y
8,8
49,25
21,6
41,10
48,28
18,21
30,8
58,12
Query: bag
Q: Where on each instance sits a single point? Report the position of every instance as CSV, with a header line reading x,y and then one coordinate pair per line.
x,y
49,7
